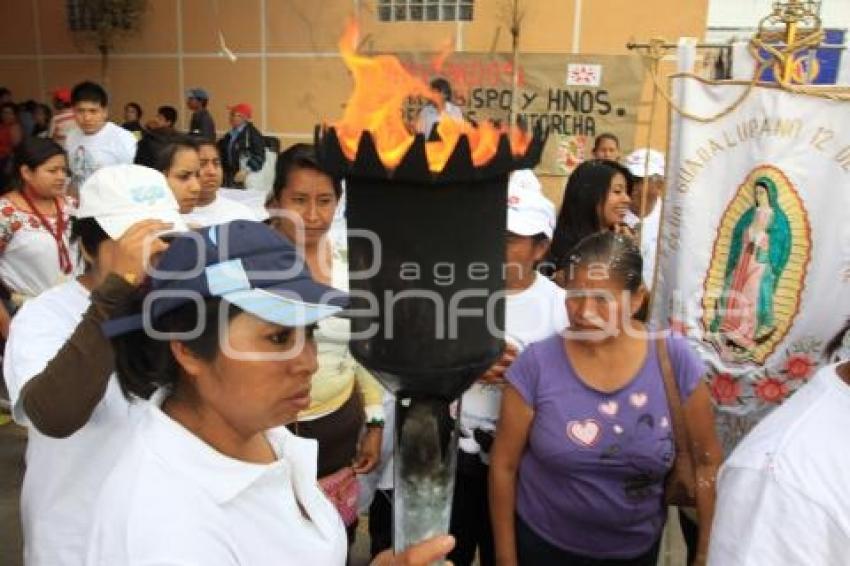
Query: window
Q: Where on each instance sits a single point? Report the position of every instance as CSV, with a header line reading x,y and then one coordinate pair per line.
x,y
83,16
425,10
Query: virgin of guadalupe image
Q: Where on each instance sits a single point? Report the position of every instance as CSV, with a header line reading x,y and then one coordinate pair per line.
x,y
758,253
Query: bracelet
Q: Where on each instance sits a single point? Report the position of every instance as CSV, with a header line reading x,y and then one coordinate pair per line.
x,y
375,423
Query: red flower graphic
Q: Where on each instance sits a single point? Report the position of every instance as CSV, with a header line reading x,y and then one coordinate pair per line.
x,y
799,366
725,389
771,390
34,223
15,226
8,210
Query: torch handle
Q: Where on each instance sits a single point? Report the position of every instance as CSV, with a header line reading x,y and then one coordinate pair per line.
x,y
425,452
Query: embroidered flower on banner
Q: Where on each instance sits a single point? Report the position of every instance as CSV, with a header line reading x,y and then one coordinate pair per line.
x,y
799,366
771,390
725,389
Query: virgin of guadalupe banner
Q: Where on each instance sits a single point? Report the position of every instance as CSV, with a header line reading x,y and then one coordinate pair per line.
x,y
754,249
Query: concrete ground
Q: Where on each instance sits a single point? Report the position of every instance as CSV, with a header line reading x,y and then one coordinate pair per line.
x,y
13,443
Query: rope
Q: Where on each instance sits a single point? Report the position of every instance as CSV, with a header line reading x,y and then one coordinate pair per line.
x,y
811,40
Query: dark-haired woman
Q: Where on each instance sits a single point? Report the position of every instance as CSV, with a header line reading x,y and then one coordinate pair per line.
x,y
597,198
176,156
35,251
789,475
211,475
606,146
58,364
344,395
585,438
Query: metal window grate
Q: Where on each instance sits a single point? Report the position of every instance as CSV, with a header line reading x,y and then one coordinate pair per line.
x,y
425,10
81,17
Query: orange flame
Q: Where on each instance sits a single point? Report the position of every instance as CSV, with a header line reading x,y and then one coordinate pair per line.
x,y
381,86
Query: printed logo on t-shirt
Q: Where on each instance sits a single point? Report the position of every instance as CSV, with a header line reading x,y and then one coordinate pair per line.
x,y
585,433
82,166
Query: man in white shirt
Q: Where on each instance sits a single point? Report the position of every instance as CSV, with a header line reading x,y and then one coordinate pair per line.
x,y
95,142
647,167
534,309
430,114
783,497
213,207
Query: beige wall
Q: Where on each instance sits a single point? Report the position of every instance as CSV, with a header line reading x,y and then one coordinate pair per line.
x,y
286,48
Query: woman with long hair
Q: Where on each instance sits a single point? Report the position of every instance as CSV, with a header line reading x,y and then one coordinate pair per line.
x,y
177,157
346,398
596,198
35,228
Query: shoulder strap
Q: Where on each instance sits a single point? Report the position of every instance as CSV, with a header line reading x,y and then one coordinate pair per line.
x,y
674,398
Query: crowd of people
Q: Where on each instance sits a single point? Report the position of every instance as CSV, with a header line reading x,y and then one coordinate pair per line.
x,y
217,416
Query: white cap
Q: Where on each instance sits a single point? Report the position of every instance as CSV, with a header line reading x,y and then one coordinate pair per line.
x,y
638,166
529,211
119,196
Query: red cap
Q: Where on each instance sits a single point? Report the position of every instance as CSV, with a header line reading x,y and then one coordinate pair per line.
x,y
241,108
62,95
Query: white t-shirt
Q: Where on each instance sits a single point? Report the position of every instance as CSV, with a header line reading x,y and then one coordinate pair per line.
x,y
531,315
112,145
220,211
783,496
649,243
173,499
64,475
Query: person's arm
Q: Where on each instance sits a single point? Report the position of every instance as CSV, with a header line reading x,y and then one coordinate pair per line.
x,y
207,126
256,148
707,457
515,421
60,399
369,451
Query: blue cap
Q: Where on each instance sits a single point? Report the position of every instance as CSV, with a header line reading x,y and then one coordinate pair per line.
x,y
198,93
245,263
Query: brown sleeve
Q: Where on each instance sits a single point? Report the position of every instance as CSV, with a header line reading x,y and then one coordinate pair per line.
x,y
60,400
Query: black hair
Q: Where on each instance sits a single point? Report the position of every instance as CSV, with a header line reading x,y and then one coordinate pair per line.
x,y
586,191
144,363
620,254
298,156
34,152
442,86
835,344
28,105
5,91
88,91
136,107
89,234
48,112
605,136
169,113
202,141
157,149
11,105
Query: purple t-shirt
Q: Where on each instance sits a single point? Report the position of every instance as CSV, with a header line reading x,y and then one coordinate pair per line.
x,y
591,479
